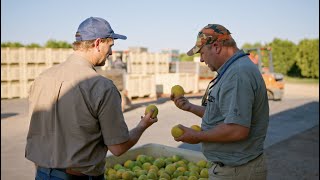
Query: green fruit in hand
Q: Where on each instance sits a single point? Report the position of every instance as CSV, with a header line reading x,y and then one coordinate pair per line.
x,y
177,91
196,128
176,131
154,107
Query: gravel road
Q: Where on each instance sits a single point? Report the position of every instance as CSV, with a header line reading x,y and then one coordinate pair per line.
x,y
291,145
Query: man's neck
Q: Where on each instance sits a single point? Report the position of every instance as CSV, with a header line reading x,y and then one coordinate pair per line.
x,y
227,53
86,55
230,51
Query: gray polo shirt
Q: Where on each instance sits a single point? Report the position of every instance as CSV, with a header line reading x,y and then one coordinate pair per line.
x,y
239,97
74,114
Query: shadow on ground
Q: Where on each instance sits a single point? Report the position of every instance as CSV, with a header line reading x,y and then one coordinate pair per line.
x,y
296,157
160,100
6,115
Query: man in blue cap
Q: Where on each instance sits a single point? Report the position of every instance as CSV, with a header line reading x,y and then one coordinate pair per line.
x,y
76,114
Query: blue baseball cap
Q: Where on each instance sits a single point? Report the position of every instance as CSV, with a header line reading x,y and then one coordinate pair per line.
x,y
95,27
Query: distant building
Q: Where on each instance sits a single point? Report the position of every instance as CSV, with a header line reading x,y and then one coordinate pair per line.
x,y
173,54
138,49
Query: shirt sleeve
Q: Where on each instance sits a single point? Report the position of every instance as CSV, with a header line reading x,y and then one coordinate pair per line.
x,y
113,127
236,98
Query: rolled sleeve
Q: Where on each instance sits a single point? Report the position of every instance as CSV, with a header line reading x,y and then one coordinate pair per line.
x,y
113,127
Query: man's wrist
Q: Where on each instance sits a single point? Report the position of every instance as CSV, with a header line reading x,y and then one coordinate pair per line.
x,y
141,127
189,109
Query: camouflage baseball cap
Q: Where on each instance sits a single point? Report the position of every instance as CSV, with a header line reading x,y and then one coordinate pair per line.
x,y
208,35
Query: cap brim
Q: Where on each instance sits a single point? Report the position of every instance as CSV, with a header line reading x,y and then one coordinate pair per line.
x,y
118,36
193,51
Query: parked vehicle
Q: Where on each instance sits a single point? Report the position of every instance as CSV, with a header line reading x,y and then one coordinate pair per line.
x,y
274,81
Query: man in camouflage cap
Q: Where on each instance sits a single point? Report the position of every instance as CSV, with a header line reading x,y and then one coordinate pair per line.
x,y
234,110
208,35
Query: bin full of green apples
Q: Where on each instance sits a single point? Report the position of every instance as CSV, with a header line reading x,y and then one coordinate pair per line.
x,y
158,162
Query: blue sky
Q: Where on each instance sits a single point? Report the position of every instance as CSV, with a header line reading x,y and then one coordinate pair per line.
x,y
161,24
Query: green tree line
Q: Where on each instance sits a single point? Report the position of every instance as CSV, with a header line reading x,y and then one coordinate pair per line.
x,y
49,44
295,60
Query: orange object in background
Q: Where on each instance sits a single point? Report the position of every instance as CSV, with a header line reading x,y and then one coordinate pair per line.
x,y
274,81
254,58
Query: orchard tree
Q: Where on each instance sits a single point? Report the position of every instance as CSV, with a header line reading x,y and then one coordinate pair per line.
x,y
57,44
283,55
308,57
248,45
33,45
185,57
12,44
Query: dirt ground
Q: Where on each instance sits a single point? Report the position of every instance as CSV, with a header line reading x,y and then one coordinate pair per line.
x,y
292,143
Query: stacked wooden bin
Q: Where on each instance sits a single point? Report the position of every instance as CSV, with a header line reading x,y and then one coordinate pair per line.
x,y
147,73
142,67
20,66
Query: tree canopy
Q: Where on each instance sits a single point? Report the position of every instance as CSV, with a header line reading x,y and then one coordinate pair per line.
x,y
307,58
300,60
49,44
57,44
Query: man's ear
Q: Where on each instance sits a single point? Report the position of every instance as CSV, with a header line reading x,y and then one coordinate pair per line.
x,y
217,47
97,43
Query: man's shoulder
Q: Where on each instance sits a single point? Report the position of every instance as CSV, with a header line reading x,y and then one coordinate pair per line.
x,y
244,66
97,81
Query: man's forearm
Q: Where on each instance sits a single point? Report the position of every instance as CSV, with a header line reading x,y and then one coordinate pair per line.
x,y
225,133
197,110
134,136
